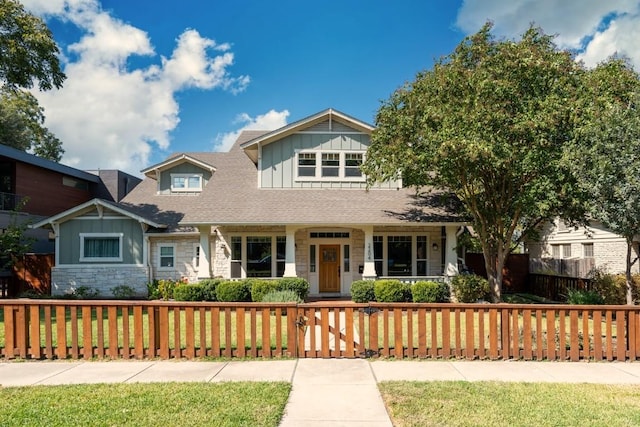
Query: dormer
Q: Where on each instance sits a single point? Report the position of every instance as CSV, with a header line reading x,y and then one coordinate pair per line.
x,y
324,150
181,175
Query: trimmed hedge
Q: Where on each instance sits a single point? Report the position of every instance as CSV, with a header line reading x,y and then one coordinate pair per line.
x,y
189,292
392,290
470,288
363,291
296,284
429,291
209,287
233,291
260,288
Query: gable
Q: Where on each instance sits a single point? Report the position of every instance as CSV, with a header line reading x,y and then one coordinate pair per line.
x,y
185,173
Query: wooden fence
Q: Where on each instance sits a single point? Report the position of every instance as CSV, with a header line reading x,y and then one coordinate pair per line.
x,y
55,329
555,288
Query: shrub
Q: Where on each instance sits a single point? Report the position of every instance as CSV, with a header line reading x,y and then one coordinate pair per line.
x,y
392,290
152,290
362,291
428,291
261,287
582,297
123,292
470,288
189,292
282,296
81,292
233,291
165,288
209,287
297,284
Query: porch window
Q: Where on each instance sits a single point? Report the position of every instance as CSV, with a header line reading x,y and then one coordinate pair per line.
x,y
312,258
378,255
399,255
259,256
196,256
167,256
103,247
421,255
236,257
347,260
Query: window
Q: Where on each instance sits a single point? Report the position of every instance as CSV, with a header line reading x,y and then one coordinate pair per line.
x,y
399,255
71,182
166,256
196,255
186,182
306,164
377,254
421,255
103,247
352,163
587,250
259,256
330,164
347,260
236,257
312,259
566,251
281,254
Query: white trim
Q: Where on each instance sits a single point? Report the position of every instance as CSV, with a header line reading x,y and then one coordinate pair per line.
x,y
102,259
173,264
72,266
187,177
318,166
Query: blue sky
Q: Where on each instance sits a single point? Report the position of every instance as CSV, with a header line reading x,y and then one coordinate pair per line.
x,y
148,78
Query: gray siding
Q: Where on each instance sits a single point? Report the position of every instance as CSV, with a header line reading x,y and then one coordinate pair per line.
x,y
279,158
165,176
132,241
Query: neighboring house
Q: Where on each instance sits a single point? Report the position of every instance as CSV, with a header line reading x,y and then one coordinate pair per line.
x,y
575,251
287,203
37,188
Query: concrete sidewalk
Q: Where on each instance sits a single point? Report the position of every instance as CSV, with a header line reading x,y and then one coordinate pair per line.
x,y
325,392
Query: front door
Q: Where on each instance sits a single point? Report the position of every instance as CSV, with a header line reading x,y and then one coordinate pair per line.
x,y
330,268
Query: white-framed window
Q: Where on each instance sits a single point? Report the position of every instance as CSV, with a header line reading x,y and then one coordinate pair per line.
x,y
329,165
187,182
166,256
566,251
555,251
102,247
587,250
196,256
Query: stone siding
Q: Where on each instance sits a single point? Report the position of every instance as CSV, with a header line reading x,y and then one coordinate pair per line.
x,y
65,280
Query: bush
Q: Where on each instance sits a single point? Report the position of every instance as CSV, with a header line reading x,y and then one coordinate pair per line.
x,y
81,292
209,287
470,288
233,291
123,292
362,291
428,291
152,290
582,297
165,288
392,290
189,292
296,284
282,296
260,288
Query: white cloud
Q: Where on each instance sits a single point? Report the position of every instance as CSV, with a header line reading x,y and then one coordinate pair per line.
x,y
111,116
271,120
596,28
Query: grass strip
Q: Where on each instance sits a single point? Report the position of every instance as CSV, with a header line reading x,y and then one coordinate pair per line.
x,y
510,404
201,404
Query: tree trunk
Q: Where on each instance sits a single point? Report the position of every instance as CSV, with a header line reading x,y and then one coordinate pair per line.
x,y
493,263
628,277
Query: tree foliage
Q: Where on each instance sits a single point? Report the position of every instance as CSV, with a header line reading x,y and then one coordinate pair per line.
x,y
28,57
491,123
13,243
607,160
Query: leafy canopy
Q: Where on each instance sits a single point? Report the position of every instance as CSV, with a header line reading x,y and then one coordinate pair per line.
x,y
490,123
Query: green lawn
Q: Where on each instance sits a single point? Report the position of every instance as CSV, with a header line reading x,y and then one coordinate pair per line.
x,y
170,404
510,404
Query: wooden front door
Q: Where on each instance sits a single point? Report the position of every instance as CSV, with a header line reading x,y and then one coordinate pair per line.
x,y
329,268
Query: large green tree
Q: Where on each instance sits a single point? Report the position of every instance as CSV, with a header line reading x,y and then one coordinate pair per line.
x,y
607,159
28,58
490,123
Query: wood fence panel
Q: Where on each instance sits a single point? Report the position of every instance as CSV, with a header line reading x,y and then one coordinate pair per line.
x,y
34,333
74,332
240,332
138,332
621,338
266,333
61,332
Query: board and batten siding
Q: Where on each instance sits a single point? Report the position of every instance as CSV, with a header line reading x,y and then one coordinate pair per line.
x,y
278,161
69,238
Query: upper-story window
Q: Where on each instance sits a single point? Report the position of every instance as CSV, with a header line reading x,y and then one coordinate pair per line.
x,y
186,182
329,165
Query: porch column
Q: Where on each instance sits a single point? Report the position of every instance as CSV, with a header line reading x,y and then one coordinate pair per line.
x,y
451,255
369,271
290,256
204,260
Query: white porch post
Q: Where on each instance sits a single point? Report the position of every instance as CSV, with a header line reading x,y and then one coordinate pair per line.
x,y
369,271
450,255
204,260
290,256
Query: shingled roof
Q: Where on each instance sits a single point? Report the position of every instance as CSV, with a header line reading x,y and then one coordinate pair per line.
x,y
232,197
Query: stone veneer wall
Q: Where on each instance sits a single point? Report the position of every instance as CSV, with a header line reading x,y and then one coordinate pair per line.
x,y
184,267
66,279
